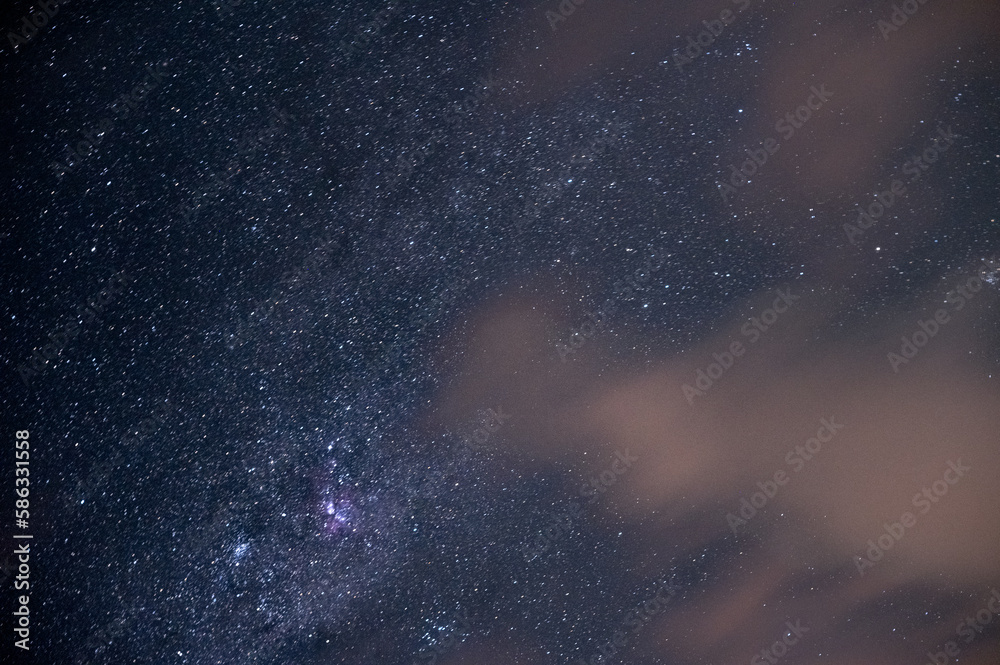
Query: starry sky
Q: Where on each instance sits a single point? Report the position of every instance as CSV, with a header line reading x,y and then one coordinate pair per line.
x,y
458,332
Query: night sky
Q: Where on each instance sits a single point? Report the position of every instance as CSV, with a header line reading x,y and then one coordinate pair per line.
x,y
475,333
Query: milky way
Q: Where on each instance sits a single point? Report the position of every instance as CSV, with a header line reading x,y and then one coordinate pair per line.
x,y
376,333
